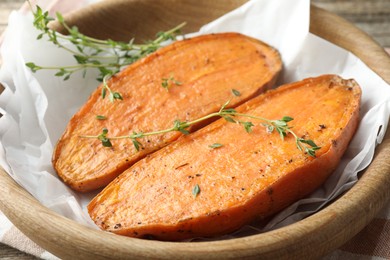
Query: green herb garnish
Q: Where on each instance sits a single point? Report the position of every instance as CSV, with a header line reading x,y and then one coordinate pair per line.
x,y
236,92
167,82
104,139
112,95
100,117
196,190
229,114
215,145
108,56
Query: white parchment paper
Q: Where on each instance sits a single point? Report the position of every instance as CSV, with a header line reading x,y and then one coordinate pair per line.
x,y
37,106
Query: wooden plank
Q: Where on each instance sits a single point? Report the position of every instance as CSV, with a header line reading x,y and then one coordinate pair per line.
x,y
7,252
5,9
372,16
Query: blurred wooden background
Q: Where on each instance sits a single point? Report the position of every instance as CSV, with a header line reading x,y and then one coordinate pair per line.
x,y
372,16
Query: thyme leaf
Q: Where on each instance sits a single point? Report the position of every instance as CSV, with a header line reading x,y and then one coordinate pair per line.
x,y
236,92
196,190
215,145
112,94
167,82
104,139
101,117
136,144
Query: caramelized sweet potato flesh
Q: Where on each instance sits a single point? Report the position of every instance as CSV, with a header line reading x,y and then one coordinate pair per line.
x,y
252,176
207,67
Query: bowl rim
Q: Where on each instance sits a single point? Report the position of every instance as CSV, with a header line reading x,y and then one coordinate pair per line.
x,y
313,236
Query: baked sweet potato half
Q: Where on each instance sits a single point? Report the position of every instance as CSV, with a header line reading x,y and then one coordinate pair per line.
x,y
188,189
183,81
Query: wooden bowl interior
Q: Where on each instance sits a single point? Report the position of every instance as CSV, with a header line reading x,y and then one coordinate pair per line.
x,y
123,19
311,237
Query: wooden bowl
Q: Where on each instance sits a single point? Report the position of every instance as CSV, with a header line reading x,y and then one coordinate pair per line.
x,y
311,237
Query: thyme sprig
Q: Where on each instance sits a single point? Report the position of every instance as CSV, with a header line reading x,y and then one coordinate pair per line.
x,y
167,82
230,115
108,56
113,95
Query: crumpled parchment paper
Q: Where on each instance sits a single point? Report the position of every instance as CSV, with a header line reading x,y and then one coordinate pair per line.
x,y
37,106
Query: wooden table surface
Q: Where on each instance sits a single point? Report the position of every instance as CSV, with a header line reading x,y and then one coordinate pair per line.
x,y
372,16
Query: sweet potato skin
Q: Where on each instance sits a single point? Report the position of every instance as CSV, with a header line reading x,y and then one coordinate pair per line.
x,y
208,68
250,177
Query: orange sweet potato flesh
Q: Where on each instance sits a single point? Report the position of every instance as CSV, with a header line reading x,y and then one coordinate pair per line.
x,y
252,176
208,68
